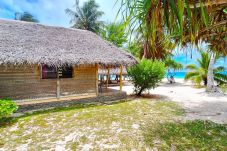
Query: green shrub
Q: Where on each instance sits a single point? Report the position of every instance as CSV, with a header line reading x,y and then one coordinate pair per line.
x,y
7,107
147,74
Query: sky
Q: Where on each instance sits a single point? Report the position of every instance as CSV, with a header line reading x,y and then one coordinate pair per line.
x,y
52,12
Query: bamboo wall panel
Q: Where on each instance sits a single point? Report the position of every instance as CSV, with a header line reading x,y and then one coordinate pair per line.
x,y
24,82
83,81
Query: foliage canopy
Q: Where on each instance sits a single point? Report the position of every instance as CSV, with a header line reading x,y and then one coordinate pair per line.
x,y
115,33
86,17
147,74
162,24
7,107
26,16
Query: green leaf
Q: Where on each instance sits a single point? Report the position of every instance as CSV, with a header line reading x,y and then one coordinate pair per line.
x,y
204,14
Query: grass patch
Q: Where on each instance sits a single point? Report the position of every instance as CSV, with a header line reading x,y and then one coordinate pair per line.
x,y
99,126
119,126
191,135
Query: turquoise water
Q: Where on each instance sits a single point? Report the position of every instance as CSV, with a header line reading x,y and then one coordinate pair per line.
x,y
181,75
178,75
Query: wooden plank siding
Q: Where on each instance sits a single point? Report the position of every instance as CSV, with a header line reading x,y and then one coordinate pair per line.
x,y
24,82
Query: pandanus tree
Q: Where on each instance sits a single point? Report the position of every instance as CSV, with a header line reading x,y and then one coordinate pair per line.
x,y
160,22
86,17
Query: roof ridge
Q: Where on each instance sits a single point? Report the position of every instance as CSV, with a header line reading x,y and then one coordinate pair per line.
x,y
40,24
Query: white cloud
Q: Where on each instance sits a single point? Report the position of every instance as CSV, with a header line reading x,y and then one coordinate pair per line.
x,y
52,12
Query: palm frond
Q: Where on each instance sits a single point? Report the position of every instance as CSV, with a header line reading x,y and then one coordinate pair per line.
x,y
197,79
192,67
219,69
219,77
86,17
190,75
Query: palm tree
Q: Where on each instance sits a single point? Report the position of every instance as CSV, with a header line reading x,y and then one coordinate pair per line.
x,y
86,17
26,16
200,73
172,66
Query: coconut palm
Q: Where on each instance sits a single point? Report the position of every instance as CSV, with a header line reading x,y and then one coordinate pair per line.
x,y
86,17
172,66
26,16
199,73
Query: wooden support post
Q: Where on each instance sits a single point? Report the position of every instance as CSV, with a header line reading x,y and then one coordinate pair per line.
x,y
38,71
121,68
58,85
108,76
97,79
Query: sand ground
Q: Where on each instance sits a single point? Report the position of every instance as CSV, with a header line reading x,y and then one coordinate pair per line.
x,y
197,103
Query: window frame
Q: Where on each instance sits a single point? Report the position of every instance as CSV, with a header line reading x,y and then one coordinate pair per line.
x,y
57,72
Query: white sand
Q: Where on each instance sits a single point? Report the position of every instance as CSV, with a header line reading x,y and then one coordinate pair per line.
x,y
197,103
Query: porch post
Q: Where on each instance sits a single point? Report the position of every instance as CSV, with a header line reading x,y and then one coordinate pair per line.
x,y
97,79
121,78
58,85
108,76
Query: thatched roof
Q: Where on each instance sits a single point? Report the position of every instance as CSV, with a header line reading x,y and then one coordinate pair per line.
x,y
113,71
32,43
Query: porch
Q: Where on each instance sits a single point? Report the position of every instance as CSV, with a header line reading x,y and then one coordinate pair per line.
x,y
103,94
106,96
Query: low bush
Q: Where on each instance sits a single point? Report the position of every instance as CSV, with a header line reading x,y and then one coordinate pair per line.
x,y
7,107
147,74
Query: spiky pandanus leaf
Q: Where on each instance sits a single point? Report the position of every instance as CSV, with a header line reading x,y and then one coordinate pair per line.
x,y
185,21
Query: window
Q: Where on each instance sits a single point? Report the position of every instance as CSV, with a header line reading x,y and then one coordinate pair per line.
x,y
50,72
65,72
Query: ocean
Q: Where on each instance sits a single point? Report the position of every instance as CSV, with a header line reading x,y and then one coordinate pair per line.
x,y
181,75
178,75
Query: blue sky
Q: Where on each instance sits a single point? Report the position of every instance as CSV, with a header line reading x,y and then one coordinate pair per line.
x,y
52,12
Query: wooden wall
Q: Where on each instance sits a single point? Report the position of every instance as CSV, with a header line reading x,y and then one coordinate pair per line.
x,y
24,82
84,81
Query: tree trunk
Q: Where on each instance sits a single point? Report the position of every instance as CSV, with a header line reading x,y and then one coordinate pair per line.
x,y
146,51
140,92
210,75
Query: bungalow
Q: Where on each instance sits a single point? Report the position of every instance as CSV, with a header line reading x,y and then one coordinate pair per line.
x,y
39,61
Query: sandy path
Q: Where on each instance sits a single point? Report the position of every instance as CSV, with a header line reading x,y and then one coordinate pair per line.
x,y
197,103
